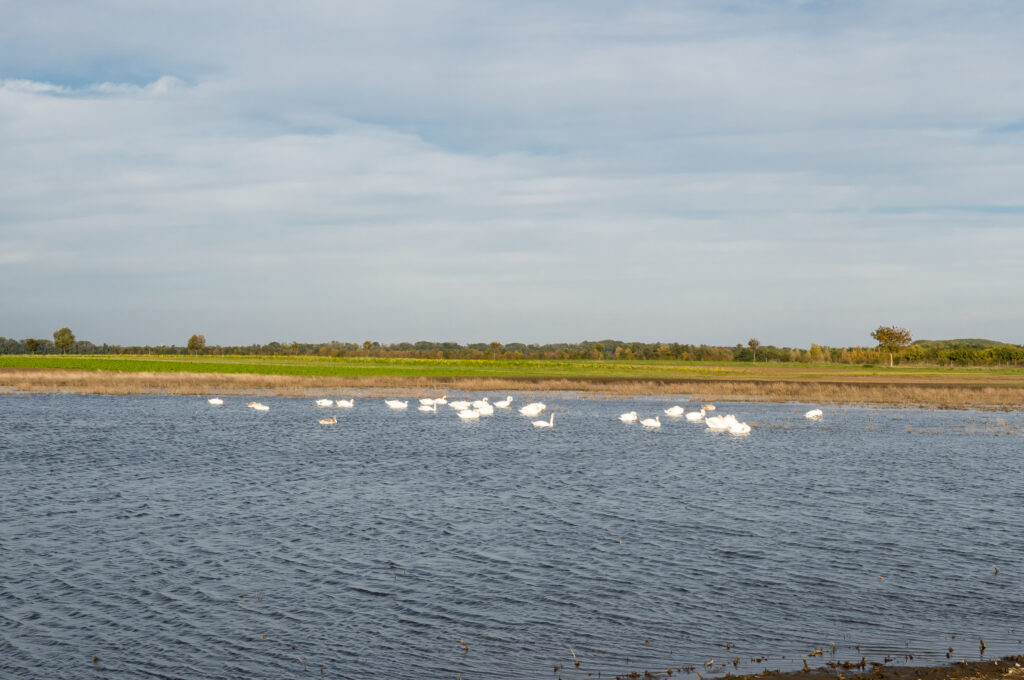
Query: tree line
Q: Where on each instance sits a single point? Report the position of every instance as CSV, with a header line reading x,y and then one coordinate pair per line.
x,y
893,348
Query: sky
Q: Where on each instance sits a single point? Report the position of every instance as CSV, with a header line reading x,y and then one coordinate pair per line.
x,y
470,170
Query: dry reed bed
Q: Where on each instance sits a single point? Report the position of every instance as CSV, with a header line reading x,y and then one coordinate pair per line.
x,y
818,392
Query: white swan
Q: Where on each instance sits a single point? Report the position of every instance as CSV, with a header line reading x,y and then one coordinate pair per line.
x,y
695,416
533,409
328,421
485,410
480,403
442,400
630,417
257,406
428,409
469,414
323,403
708,407
716,423
675,411
814,414
739,428
343,403
396,404
504,403
459,405
427,402
651,422
545,423
216,401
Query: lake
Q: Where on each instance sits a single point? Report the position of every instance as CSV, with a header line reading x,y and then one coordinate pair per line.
x,y
172,539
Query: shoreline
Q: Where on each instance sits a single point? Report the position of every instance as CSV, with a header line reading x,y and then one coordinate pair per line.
x,y
857,390
1006,668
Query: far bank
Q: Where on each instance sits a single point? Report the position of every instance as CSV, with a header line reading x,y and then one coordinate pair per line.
x,y
976,391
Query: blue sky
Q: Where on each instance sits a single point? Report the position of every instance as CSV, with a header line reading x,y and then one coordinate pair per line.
x,y
695,172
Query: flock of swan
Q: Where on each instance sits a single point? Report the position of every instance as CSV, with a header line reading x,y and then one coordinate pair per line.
x,y
473,410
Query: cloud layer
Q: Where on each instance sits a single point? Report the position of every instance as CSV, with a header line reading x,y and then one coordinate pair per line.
x,y
471,171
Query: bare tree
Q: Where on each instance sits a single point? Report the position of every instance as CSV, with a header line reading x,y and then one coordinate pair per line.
x,y
891,339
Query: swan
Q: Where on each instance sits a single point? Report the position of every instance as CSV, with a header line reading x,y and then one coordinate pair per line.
x,y
651,422
324,402
257,406
695,416
342,403
813,414
442,400
459,405
533,409
469,414
428,409
485,410
216,401
328,421
396,404
708,407
675,411
427,402
739,428
716,423
630,417
480,403
504,403
545,423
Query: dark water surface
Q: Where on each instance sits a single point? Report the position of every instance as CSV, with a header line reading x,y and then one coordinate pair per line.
x,y
141,529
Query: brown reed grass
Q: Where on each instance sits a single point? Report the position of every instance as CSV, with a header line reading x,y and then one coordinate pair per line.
x,y
978,394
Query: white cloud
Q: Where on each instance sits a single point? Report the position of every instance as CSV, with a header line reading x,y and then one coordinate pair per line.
x,y
519,171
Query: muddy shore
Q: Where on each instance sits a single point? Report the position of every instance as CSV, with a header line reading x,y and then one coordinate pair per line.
x,y
1007,668
984,394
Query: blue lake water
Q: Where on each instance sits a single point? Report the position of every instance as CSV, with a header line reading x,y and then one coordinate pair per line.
x,y
172,539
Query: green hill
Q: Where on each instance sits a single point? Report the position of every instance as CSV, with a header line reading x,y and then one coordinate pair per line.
x,y
962,343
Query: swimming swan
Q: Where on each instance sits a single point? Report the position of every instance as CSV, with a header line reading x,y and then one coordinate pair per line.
x,y
324,402
651,422
504,403
630,417
533,409
813,414
396,404
695,416
328,421
257,406
216,401
342,403
545,423
675,411
428,409
739,428
459,405
469,414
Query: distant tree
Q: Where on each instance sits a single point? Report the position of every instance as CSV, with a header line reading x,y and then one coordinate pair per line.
x,y
754,343
891,339
197,343
31,344
64,339
495,346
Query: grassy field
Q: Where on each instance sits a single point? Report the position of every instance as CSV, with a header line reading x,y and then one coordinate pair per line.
x,y
574,369
1000,388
